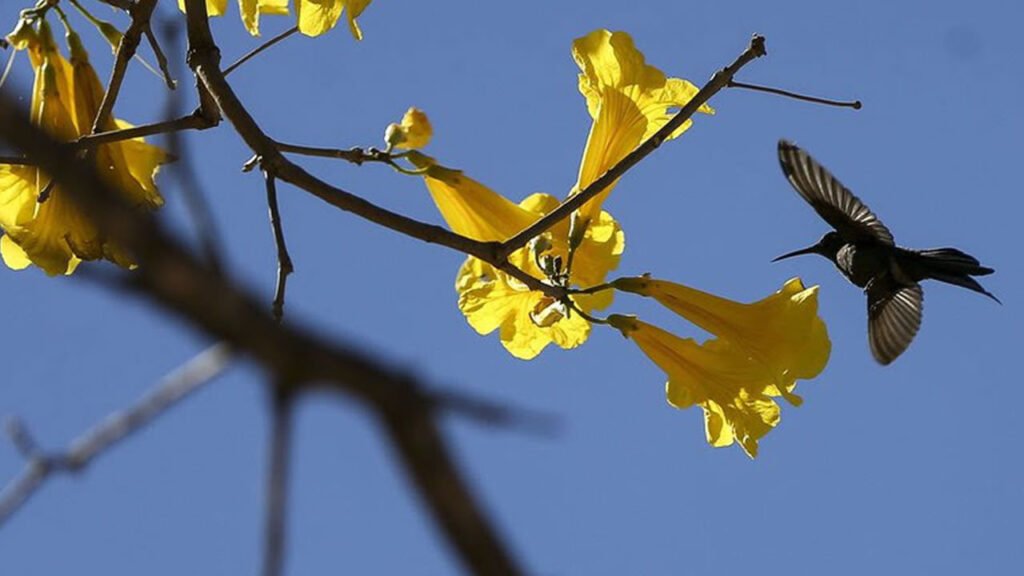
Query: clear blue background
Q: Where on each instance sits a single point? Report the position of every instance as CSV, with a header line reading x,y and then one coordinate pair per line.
x,y
914,468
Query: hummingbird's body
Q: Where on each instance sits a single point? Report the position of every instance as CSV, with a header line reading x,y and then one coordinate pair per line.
x,y
863,250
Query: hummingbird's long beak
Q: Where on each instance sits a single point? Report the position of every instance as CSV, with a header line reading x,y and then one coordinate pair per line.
x,y
808,250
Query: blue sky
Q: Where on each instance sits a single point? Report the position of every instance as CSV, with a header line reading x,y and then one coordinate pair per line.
x,y
911,468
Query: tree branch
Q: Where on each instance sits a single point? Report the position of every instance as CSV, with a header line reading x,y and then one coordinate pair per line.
x,y
718,81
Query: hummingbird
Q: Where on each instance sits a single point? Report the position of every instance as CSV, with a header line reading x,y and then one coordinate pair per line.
x,y
864,251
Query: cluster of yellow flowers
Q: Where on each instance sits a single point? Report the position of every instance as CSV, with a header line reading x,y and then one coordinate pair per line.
x,y
41,224
314,16
760,350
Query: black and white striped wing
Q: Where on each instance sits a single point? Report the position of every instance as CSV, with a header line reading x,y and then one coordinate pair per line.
x,y
829,198
894,316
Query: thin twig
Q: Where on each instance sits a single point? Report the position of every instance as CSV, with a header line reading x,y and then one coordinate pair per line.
x,y
252,53
141,11
161,60
191,122
118,426
354,155
720,79
284,260
855,104
275,527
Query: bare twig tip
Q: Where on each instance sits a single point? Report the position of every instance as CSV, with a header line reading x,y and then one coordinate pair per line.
x,y
757,46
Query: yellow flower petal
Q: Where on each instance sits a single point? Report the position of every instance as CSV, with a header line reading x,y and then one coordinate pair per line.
x,y
598,254
319,16
13,255
718,376
355,8
628,100
782,332
472,209
251,10
476,211
17,195
490,299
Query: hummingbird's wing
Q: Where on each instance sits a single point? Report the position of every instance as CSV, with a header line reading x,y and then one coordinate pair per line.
x,y
829,198
894,316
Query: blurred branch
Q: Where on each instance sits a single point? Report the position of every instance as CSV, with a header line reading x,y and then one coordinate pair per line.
x,y
275,530
169,276
718,81
174,387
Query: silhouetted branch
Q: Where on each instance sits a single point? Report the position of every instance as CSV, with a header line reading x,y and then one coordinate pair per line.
x,y
116,427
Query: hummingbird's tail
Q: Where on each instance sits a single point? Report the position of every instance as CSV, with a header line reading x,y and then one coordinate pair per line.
x,y
954,267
